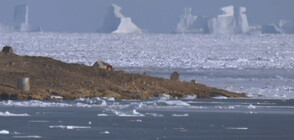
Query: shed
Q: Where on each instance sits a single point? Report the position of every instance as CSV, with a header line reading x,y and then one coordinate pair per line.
x,y
7,49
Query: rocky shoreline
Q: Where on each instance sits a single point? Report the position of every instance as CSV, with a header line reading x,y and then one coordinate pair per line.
x,y
52,78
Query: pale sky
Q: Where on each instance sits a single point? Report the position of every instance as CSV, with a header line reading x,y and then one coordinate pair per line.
x,y
156,16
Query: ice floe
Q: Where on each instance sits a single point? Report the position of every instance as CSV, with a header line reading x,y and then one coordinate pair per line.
x,y
171,103
180,115
69,127
8,114
28,137
4,132
105,132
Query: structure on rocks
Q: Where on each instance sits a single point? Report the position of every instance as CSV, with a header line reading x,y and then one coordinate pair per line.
x,y
7,49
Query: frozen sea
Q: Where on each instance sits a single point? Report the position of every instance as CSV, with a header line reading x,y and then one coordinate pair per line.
x,y
260,65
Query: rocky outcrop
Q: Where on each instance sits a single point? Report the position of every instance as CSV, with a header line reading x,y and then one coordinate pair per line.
x,y
51,78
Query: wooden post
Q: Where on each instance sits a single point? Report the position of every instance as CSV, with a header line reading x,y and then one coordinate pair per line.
x,y
23,84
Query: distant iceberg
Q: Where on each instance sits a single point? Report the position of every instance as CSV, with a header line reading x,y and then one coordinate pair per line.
x,y
283,27
21,18
20,21
232,21
116,22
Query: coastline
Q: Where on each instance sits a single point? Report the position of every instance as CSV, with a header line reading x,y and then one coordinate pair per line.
x,y
49,77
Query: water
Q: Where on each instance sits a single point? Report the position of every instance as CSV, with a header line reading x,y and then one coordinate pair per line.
x,y
202,119
259,65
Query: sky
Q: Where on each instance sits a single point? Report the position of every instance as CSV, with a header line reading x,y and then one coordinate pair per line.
x,y
155,16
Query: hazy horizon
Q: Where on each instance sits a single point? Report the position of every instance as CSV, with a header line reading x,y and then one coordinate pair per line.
x,y
152,15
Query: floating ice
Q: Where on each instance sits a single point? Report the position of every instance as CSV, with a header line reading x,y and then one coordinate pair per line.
x,y
189,97
180,115
8,114
28,137
154,114
56,97
251,106
172,103
105,132
4,132
237,128
109,99
220,97
69,127
127,113
102,115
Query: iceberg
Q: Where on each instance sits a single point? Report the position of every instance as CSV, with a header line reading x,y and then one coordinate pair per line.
x,y
116,22
21,18
232,21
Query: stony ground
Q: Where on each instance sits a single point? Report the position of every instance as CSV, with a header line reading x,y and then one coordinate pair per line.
x,y
51,77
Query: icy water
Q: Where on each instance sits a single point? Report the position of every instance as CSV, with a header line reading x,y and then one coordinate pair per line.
x,y
152,119
262,66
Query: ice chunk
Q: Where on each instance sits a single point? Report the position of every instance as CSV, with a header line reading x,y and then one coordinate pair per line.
x,y
116,22
251,106
180,115
70,127
4,132
190,97
105,132
28,137
220,97
8,114
172,103
237,128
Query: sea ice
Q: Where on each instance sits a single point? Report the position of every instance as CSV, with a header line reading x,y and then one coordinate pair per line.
x,y
8,114
69,127
4,132
171,103
28,137
180,115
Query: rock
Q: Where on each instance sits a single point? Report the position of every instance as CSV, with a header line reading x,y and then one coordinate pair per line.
x,y
103,65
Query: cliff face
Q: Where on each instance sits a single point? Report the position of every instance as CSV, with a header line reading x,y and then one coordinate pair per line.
x,y
51,77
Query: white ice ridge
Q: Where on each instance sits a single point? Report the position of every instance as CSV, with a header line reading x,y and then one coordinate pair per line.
x,y
232,21
116,22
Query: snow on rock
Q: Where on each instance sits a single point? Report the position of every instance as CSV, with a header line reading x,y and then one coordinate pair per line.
x,y
116,22
232,21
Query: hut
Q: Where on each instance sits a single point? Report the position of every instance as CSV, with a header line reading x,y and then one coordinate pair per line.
x,y
7,49
103,65
175,76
